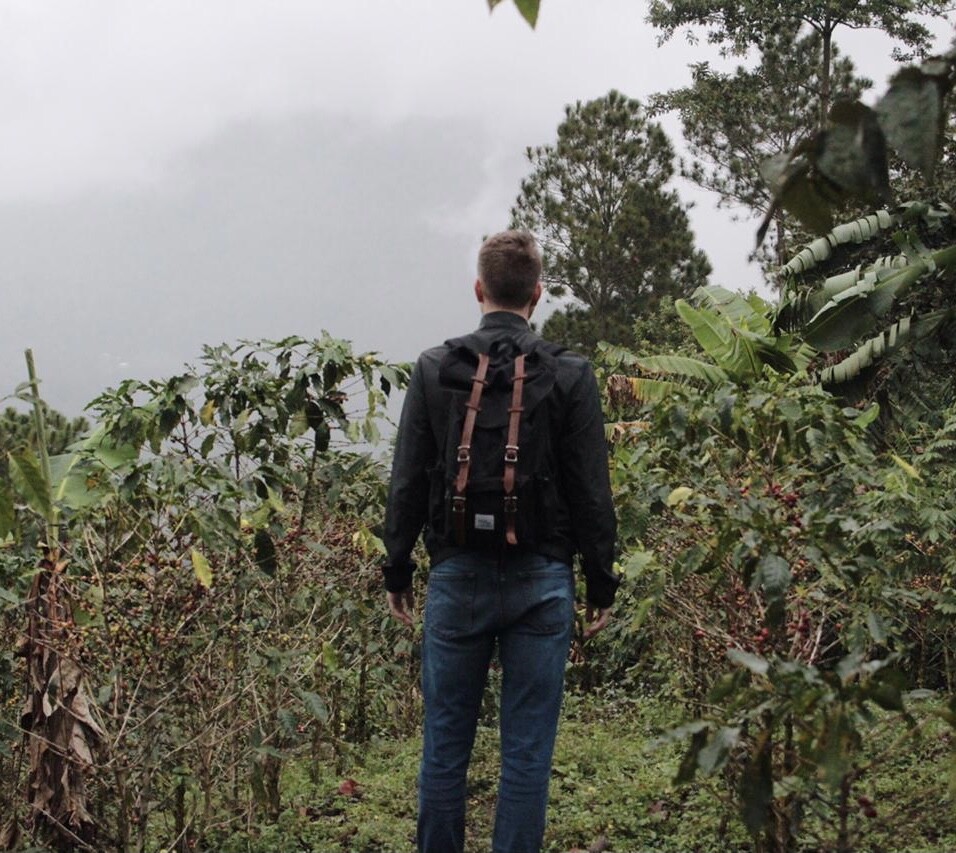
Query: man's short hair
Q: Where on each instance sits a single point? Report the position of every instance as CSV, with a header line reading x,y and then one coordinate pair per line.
x,y
509,267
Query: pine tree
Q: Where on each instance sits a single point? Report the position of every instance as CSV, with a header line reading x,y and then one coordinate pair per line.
x,y
614,237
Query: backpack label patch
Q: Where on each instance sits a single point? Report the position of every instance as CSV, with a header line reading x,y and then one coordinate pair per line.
x,y
484,522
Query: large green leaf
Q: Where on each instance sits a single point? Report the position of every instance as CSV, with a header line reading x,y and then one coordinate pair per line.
x,y
857,231
744,362
902,333
912,117
799,190
731,305
855,312
799,308
76,483
712,331
852,152
684,367
28,480
741,353
774,353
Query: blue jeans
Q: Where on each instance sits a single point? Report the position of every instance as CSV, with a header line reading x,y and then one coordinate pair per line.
x,y
525,604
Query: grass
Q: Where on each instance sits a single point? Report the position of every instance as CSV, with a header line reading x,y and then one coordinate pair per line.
x,y
606,784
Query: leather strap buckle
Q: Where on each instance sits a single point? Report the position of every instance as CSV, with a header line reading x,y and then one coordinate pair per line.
x,y
464,454
511,504
511,453
458,504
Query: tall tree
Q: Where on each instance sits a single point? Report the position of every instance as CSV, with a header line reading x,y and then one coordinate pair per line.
x,y
734,122
738,26
614,237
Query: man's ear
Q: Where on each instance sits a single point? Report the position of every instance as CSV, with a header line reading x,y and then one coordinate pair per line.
x,y
536,296
479,293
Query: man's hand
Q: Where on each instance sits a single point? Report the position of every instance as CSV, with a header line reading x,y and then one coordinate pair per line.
x,y
401,605
597,619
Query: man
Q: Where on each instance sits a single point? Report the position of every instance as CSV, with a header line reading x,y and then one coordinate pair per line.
x,y
516,598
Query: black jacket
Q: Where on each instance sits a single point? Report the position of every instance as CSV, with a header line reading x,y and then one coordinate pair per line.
x,y
585,521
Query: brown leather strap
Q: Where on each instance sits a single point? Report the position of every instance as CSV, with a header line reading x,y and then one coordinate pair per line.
x,y
511,452
467,431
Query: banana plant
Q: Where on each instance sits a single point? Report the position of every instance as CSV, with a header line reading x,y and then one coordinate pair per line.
x,y
60,729
859,309
736,332
47,485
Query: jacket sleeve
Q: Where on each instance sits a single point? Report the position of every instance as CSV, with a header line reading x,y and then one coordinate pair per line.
x,y
407,507
587,486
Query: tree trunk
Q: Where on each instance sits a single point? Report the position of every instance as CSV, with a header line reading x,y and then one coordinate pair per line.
x,y
825,69
60,731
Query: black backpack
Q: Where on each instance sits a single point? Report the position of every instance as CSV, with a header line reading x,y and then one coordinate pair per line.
x,y
494,485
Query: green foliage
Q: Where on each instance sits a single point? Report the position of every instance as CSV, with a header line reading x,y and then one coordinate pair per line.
x,y
907,297
748,498
223,626
740,25
614,238
661,330
606,788
21,474
736,333
733,122
847,160
770,581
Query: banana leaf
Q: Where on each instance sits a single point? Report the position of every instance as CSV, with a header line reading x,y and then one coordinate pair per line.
x,y
902,333
854,312
684,367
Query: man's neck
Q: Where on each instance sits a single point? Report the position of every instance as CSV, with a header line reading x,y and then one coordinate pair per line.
x,y
490,308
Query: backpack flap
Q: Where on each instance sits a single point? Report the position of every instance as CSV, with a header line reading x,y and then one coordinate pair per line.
x,y
499,500
460,363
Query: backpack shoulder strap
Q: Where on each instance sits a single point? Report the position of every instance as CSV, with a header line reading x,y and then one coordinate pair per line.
x,y
511,451
464,447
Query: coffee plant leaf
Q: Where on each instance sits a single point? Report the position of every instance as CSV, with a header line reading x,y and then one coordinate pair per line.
x,y
689,763
315,705
773,577
201,568
877,627
679,496
715,754
330,657
755,663
637,564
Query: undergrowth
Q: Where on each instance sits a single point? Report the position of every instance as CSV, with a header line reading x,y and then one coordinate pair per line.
x,y
611,790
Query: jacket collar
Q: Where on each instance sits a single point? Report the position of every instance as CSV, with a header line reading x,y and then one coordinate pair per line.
x,y
503,320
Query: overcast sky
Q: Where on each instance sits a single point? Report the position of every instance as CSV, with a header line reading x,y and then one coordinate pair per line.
x,y
177,173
